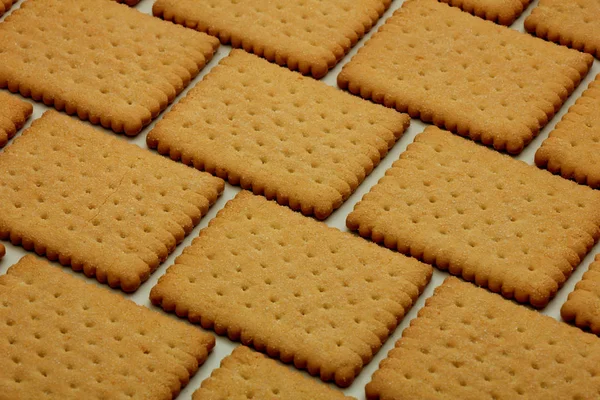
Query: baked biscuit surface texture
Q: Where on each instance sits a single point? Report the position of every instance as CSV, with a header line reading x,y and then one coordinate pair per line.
x,y
573,147
5,5
309,36
499,222
583,305
292,287
65,339
573,23
107,63
13,115
473,77
279,134
246,372
470,344
95,202
503,12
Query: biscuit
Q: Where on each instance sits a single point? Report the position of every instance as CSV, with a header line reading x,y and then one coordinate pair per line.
x,y
292,287
499,222
128,2
583,305
270,130
97,203
500,11
309,36
5,5
475,78
573,147
13,115
246,374
573,23
469,344
108,64
63,338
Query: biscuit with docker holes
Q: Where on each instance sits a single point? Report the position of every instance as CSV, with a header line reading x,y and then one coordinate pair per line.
x,y
96,202
279,134
247,374
583,304
63,338
309,36
573,147
5,5
470,344
573,23
13,115
109,64
470,76
497,221
292,287
504,12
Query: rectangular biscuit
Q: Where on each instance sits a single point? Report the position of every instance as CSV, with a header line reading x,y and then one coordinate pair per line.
x,y
573,147
309,36
280,134
63,338
5,5
97,203
469,344
573,23
292,287
583,305
106,63
13,115
246,374
504,12
473,77
494,220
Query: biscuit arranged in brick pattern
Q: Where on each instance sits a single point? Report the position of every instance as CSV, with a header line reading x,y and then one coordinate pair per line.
x,y
106,63
63,338
292,287
573,23
494,220
573,147
469,344
246,374
309,36
481,80
501,11
13,115
97,203
279,134
5,5
583,304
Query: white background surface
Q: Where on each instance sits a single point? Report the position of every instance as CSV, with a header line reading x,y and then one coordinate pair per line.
x,y
337,219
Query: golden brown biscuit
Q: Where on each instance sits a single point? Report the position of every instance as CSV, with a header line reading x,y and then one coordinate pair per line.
x,y
65,339
280,134
481,80
292,287
573,147
5,5
469,344
310,36
501,11
13,115
97,203
499,222
246,374
106,63
583,305
573,23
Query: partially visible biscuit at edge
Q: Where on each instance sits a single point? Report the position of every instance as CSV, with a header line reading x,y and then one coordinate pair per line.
x,y
97,203
13,115
501,11
308,38
583,304
69,339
